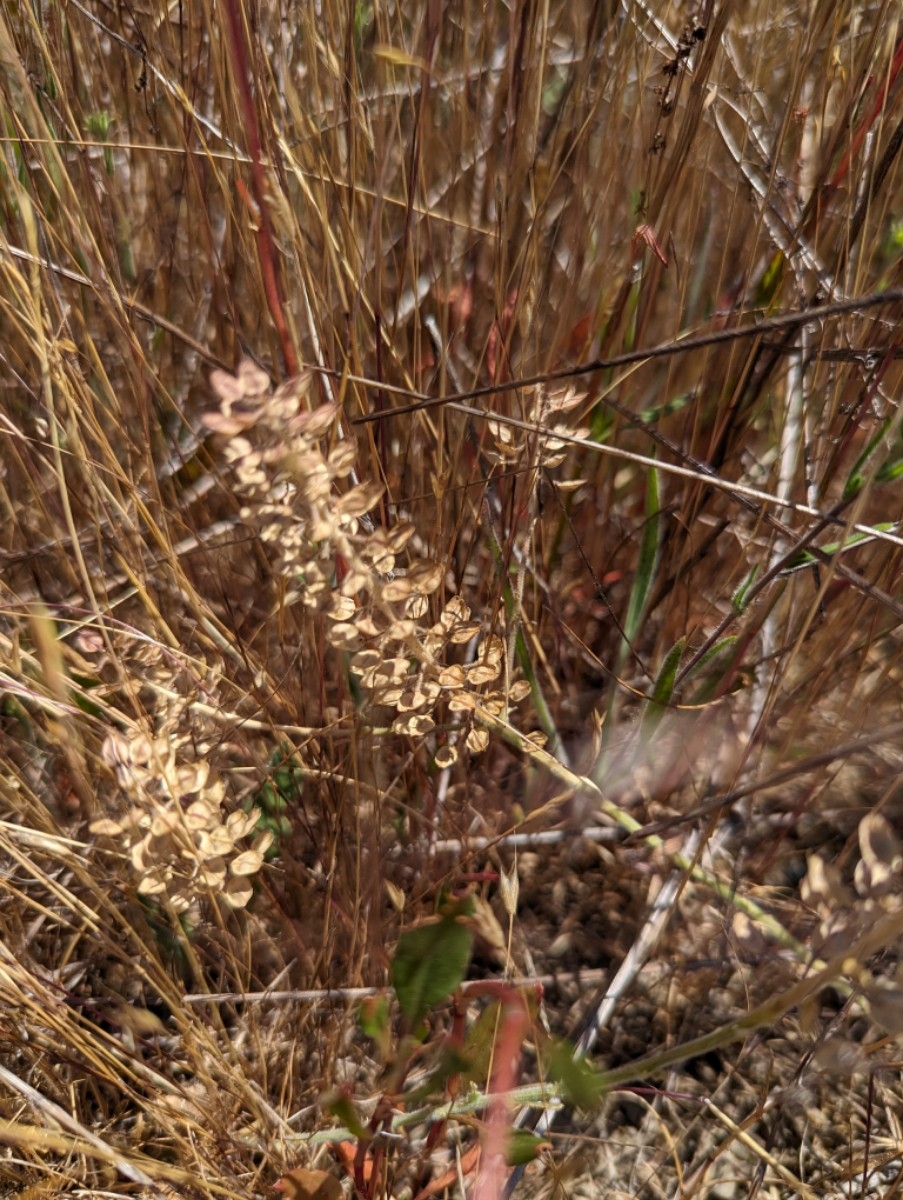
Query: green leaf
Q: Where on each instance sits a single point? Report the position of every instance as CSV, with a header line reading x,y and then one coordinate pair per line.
x,y
648,559
714,665
647,564
664,682
663,689
805,558
651,416
581,1085
453,1061
601,425
480,1042
373,1016
889,471
430,962
340,1106
739,598
853,485
524,1147
717,651
856,477
770,281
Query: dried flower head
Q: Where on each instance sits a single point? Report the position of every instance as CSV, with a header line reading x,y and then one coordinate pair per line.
x,y
177,836
296,477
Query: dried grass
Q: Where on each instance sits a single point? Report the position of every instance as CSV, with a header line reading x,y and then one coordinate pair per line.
x,y
286,651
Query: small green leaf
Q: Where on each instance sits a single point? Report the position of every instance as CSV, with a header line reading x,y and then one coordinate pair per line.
x,y
650,416
713,669
714,666
524,1147
648,559
856,478
453,1061
805,558
340,1106
481,1041
664,682
663,689
853,486
581,1085
373,1016
601,425
430,962
739,598
889,471
768,284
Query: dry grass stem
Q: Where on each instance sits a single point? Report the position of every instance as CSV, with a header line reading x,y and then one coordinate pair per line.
x,y
450,599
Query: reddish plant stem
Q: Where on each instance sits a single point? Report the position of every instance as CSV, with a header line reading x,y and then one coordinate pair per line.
x,y
868,121
238,53
513,1028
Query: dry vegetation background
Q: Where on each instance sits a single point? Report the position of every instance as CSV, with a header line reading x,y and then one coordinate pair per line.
x,y
294,656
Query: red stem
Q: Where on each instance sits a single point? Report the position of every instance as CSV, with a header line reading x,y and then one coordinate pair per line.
x,y
865,125
238,52
515,1023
